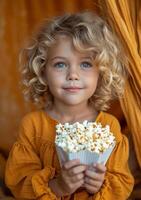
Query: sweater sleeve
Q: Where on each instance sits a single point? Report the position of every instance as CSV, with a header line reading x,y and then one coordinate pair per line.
x,y
119,181
25,176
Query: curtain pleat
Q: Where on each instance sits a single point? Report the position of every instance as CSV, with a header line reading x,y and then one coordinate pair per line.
x,y
125,18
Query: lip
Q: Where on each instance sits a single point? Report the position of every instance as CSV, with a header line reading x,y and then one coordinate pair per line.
x,y
73,89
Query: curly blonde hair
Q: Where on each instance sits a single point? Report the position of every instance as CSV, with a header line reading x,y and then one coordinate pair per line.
x,y
84,28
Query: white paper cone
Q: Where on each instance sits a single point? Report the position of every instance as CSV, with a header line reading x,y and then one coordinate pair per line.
x,y
85,157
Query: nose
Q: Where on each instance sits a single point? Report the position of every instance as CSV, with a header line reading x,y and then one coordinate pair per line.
x,y
73,73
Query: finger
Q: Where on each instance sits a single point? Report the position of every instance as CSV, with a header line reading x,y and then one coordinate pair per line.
x,y
91,189
73,187
71,164
79,184
101,168
93,182
77,177
94,175
77,169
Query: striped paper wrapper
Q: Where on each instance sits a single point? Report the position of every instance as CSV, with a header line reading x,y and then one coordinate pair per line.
x,y
85,157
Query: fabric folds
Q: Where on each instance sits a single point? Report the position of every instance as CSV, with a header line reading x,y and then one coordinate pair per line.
x,y
125,18
33,162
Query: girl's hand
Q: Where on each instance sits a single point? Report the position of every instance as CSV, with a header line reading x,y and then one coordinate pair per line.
x,y
94,178
71,177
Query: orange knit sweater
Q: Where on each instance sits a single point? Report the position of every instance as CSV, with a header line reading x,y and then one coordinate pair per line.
x,y
33,162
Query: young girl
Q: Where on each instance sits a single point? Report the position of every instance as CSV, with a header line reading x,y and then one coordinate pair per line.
x,y
73,69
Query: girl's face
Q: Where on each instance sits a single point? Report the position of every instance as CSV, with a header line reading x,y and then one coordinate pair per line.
x,y
71,76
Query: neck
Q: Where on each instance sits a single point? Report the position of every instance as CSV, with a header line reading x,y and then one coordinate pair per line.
x,y
72,113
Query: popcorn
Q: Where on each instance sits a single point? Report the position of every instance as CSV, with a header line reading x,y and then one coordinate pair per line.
x,y
86,136
88,141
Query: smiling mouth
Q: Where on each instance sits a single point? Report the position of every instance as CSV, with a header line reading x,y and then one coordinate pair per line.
x,y
72,89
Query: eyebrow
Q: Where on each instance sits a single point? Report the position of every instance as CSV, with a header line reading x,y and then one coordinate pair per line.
x,y
88,57
61,57
58,57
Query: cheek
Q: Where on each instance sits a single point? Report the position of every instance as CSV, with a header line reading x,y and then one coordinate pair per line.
x,y
96,77
54,82
96,80
93,80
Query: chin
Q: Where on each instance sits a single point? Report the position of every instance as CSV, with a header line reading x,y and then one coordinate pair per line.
x,y
73,103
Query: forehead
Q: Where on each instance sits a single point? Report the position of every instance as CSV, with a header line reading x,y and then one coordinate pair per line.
x,y
63,45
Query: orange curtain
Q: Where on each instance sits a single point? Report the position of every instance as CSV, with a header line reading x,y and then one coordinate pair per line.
x,y
125,18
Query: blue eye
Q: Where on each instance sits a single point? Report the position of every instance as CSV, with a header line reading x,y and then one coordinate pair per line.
x,y
60,65
86,65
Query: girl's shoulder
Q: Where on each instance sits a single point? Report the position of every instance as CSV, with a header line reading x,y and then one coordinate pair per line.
x,y
108,119
38,123
38,117
36,131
